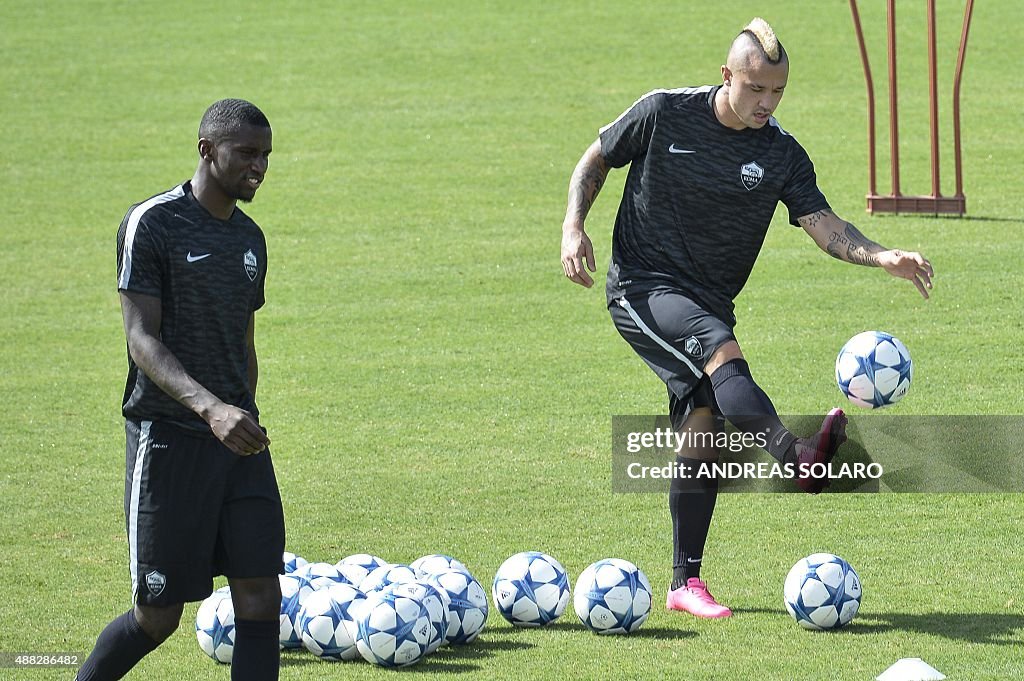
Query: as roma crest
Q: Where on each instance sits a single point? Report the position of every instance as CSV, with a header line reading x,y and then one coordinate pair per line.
x,y
249,262
751,175
155,582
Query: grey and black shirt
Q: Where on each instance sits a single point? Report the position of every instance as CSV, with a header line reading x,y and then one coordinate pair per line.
x,y
699,196
209,276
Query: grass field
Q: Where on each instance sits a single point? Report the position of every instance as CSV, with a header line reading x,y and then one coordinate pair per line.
x,y
430,380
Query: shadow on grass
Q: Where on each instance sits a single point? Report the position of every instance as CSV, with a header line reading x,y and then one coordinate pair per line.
x,y
436,663
452,659
488,644
990,628
659,633
662,633
295,657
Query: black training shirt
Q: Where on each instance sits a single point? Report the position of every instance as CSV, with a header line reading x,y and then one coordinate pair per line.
x,y
699,196
209,276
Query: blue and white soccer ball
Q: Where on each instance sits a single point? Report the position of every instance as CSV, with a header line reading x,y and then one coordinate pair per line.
x,y
215,626
467,610
393,630
364,560
436,600
351,573
386,575
292,562
320,575
874,369
822,591
436,562
294,591
612,596
327,622
530,589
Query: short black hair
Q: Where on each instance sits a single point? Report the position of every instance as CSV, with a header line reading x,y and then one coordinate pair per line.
x,y
226,116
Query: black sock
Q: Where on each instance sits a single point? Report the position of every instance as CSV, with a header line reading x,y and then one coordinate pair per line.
x,y
257,653
749,409
119,648
691,503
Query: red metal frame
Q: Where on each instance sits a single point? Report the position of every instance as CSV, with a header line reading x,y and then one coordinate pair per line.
x,y
896,202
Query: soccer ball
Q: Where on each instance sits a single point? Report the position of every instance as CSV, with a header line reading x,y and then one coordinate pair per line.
x,y
320,575
351,573
467,611
393,630
874,369
531,589
437,602
428,565
364,560
612,596
292,562
215,626
326,622
294,591
822,591
386,575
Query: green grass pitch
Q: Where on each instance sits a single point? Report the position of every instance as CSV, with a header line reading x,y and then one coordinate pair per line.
x,y
430,380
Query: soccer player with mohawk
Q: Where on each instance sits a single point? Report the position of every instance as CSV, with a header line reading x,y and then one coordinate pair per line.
x,y
707,167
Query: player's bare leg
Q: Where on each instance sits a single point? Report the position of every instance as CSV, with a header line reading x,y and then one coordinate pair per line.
x,y
159,622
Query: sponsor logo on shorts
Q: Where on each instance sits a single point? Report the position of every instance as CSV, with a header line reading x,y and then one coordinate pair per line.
x,y
751,175
155,582
693,347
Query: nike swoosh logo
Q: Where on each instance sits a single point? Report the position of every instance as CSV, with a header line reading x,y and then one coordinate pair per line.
x,y
195,258
673,149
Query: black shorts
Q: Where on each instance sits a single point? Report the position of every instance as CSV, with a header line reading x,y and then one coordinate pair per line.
x,y
676,337
195,509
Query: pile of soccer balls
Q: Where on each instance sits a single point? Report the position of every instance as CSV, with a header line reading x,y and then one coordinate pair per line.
x,y
392,615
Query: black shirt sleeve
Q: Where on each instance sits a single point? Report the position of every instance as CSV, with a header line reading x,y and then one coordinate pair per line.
x,y
628,136
138,257
801,194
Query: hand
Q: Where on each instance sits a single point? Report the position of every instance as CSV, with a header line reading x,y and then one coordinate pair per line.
x,y
912,266
577,250
237,429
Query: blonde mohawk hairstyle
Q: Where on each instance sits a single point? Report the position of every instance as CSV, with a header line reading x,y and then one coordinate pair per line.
x,y
760,30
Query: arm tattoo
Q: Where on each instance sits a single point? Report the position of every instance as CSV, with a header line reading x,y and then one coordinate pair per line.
x,y
585,185
813,219
853,247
